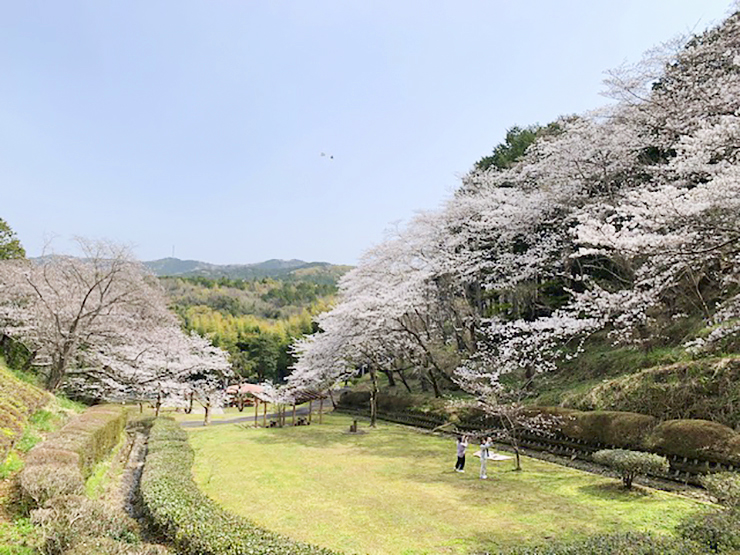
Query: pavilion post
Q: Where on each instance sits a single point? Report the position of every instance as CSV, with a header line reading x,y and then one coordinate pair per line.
x,y
256,412
264,415
310,408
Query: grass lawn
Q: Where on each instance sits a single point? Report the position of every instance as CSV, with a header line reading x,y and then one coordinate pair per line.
x,y
394,490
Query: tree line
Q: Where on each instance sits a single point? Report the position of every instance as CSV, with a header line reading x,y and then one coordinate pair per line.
x,y
622,223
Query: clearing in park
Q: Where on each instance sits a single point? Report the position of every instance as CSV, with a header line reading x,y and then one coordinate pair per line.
x,y
394,490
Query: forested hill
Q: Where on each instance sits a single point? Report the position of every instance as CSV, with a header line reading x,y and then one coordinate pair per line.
x,y
298,270
254,311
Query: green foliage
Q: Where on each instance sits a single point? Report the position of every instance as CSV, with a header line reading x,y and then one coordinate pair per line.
x,y
707,389
10,246
18,401
621,429
193,522
616,544
717,531
695,439
630,464
725,486
515,145
19,537
12,464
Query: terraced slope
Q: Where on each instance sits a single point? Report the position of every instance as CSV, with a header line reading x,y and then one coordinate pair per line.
x,y
18,401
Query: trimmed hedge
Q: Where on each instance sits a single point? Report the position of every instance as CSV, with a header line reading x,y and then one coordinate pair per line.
x,y
60,465
194,523
617,544
620,429
695,439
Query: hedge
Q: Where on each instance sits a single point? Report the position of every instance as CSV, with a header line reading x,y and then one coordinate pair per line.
x,y
627,430
695,439
60,465
194,523
617,544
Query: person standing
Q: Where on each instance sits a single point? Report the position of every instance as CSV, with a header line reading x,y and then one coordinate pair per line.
x,y
462,444
485,444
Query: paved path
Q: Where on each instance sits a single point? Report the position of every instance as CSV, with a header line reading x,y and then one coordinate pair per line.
x,y
301,411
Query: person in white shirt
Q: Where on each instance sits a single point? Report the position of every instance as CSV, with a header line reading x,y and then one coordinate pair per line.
x,y
485,444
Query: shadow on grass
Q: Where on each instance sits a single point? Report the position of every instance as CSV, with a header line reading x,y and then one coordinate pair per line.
x,y
615,491
386,441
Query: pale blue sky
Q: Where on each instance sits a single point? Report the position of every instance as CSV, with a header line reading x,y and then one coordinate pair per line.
x,y
200,124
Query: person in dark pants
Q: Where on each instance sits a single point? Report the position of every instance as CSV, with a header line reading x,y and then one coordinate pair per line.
x,y
462,444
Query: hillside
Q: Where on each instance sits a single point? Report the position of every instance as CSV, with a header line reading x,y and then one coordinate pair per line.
x,y
18,401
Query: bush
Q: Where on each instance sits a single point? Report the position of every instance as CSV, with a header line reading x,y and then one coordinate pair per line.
x,y
355,399
193,522
630,464
616,544
717,531
725,486
694,439
69,520
626,430
60,465
41,482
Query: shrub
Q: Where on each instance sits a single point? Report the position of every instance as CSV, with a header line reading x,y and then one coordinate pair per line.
x,y
693,439
67,520
60,465
193,522
630,464
717,531
41,482
355,399
616,544
725,486
622,429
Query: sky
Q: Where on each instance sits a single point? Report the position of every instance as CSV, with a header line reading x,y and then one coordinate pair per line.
x,y
236,131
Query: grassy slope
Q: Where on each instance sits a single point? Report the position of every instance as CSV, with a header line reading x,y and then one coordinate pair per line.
x,y
393,490
17,535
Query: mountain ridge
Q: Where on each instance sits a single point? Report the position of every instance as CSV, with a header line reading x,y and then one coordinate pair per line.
x,y
274,267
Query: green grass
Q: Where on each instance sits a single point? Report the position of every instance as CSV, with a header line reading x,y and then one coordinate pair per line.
x,y
393,490
18,538
13,463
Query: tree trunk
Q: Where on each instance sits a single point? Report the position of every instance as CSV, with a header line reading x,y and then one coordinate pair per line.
x,y
207,417
321,407
56,373
434,383
29,361
391,379
189,410
403,380
373,397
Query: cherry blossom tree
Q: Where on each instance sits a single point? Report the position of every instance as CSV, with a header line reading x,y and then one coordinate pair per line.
x,y
100,323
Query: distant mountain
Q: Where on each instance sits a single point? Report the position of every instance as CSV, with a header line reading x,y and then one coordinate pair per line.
x,y
284,269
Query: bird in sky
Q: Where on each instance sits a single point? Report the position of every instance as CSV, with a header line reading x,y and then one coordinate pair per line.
x,y
331,157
